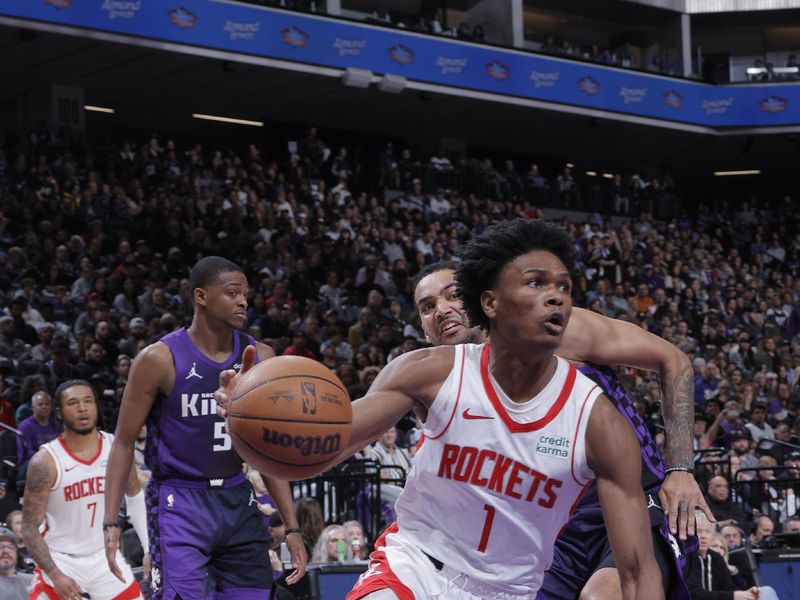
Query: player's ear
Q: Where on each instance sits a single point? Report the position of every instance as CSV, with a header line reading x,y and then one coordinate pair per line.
x,y
200,296
489,303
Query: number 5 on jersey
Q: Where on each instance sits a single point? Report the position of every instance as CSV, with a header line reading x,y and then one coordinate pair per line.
x,y
221,436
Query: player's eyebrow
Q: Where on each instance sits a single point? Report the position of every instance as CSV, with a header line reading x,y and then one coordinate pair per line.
x,y
545,272
424,299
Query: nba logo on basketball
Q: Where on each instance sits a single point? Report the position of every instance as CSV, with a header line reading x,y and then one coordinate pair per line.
x,y
309,393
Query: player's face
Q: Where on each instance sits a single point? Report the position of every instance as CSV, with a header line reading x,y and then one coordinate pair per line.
x,y
226,298
79,410
531,301
443,319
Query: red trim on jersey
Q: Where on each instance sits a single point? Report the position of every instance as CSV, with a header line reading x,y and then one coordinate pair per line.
x,y
40,587
80,460
575,437
420,441
379,575
132,592
514,426
458,397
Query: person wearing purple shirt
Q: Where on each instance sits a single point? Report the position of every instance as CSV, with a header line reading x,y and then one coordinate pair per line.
x,y
38,429
204,524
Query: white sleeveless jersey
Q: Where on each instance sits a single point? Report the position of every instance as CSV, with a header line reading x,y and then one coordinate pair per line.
x,y
76,504
495,481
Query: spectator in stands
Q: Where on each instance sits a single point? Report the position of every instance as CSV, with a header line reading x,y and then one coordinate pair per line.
x,y
762,527
718,544
6,408
568,189
13,585
10,345
41,352
733,535
25,563
310,521
58,369
740,447
358,541
758,427
95,364
791,525
332,546
38,429
725,510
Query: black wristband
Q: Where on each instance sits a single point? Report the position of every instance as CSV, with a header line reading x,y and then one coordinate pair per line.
x,y
107,526
681,469
291,530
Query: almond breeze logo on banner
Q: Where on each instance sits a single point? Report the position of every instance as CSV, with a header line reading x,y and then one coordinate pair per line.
x,y
773,104
541,79
451,66
59,3
401,54
349,47
241,31
294,36
589,85
673,99
182,17
717,107
121,9
497,70
635,95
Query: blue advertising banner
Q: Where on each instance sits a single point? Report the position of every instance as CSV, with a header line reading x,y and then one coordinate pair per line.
x,y
295,37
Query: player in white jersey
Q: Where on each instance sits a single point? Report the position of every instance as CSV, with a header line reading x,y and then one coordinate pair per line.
x,y
513,435
62,516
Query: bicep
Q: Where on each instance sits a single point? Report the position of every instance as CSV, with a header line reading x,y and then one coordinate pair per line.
x,y
148,373
601,340
40,478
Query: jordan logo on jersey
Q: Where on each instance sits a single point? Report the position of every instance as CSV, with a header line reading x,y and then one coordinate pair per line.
x,y
193,372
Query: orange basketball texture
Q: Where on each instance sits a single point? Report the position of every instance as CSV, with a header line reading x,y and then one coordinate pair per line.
x,y
290,417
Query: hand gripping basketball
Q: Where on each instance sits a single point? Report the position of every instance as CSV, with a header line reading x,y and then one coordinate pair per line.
x,y
228,380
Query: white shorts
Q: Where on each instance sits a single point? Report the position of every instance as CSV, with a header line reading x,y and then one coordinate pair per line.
x,y
406,570
92,575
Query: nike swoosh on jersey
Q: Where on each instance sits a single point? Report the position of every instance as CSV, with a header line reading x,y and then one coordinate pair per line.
x,y
68,469
466,414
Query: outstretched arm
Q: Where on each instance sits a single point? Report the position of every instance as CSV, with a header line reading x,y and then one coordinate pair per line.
x,y
613,453
594,338
148,375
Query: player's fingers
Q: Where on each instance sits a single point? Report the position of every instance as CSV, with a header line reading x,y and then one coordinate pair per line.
x,y
672,517
248,359
115,570
691,525
294,577
701,502
683,518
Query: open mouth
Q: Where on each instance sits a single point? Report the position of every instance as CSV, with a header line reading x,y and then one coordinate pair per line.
x,y
554,323
450,327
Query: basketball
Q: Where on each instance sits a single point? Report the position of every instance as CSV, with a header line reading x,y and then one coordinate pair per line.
x,y
290,417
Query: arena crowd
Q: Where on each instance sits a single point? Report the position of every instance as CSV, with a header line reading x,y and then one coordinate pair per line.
x,y
96,242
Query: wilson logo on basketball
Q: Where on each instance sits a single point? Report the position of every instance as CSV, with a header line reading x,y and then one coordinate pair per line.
x,y
309,393
307,444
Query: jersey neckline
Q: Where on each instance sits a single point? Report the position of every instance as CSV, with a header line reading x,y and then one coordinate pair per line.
x,y
510,423
77,458
207,359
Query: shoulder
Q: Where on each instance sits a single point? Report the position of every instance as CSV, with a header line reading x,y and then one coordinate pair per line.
x,y
156,357
41,468
264,351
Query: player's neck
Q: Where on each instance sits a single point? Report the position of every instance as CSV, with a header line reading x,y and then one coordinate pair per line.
x,y
82,445
214,339
521,375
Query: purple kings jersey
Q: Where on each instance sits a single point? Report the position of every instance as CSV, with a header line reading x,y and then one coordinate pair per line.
x,y
185,436
652,465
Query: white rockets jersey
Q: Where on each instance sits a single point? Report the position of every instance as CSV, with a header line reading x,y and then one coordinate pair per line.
x,y
495,481
76,504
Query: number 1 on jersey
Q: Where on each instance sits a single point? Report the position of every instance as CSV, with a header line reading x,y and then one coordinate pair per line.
x,y
487,527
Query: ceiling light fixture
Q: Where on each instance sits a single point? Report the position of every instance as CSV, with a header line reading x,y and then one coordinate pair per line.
x,y
231,120
100,109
